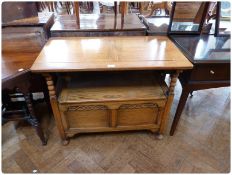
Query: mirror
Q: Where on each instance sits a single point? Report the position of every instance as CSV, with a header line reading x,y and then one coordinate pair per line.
x,y
187,17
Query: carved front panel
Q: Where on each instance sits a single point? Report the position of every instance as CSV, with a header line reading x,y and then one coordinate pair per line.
x,y
100,116
138,114
85,116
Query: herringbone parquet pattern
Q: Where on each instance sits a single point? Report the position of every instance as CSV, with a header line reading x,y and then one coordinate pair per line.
x,y
201,144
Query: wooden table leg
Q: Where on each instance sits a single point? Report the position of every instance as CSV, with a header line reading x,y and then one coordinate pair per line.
x,y
141,7
33,120
115,8
77,13
55,107
168,105
182,102
123,11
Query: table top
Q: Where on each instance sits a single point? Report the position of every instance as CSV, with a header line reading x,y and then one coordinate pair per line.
x,y
70,54
97,22
20,51
204,48
14,63
39,20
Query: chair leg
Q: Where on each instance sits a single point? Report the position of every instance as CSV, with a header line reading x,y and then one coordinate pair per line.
x,y
166,11
33,120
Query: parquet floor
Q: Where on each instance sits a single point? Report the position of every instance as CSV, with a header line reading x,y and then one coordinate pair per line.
x,y
200,145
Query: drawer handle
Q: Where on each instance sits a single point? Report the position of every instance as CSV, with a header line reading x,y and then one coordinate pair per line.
x,y
212,72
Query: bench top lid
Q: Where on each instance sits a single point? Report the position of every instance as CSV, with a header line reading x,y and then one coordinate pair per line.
x,y
70,54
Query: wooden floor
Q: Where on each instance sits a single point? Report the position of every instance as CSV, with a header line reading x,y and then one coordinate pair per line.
x,y
201,144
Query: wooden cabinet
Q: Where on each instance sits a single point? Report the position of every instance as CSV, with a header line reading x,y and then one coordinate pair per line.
x,y
211,58
110,83
112,101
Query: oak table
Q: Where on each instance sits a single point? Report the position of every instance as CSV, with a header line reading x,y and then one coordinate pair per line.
x,y
110,83
210,56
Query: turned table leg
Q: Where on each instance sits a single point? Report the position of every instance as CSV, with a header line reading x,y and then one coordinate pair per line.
x,y
168,105
182,102
55,108
33,120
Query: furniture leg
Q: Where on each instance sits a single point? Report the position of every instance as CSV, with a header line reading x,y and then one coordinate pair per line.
x,y
123,11
55,108
67,6
140,4
182,102
172,85
159,136
48,5
65,142
166,11
77,13
115,8
52,7
33,120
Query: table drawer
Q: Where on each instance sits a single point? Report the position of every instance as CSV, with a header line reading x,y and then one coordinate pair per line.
x,y
211,72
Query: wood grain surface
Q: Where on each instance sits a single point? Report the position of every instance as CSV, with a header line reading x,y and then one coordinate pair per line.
x,y
13,63
111,87
39,20
110,53
22,40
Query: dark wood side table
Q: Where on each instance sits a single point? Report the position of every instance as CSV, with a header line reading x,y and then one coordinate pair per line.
x,y
210,56
22,41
